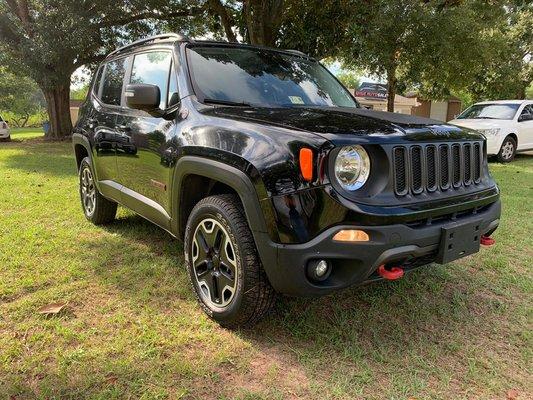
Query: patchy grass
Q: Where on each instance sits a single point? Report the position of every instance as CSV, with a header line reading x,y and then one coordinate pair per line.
x,y
26,133
132,329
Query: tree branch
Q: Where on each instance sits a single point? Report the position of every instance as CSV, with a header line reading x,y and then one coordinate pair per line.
x,y
226,19
151,15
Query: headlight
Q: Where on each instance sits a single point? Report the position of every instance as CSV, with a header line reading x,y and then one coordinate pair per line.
x,y
490,132
352,167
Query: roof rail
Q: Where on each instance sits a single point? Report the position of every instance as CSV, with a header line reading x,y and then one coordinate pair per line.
x,y
163,36
298,52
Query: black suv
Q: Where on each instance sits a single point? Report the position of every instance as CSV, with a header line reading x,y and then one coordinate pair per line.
x,y
275,178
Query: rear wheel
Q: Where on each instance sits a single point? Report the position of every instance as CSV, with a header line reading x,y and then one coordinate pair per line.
x,y
507,151
96,207
224,268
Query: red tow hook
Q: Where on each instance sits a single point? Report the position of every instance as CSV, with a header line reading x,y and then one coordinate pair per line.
x,y
487,241
390,274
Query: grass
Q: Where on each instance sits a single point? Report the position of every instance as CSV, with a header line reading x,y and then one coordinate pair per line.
x,y
26,133
132,329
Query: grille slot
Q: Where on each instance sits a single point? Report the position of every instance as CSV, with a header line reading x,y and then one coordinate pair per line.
x,y
478,156
467,151
428,168
400,169
444,167
456,165
431,158
416,169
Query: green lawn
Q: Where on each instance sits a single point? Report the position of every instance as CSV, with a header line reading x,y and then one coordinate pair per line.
x,y
132,329
26,133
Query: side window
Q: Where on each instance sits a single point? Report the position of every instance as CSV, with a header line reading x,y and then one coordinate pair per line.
x,y
97,81
527,110
173,95
113,79
153,68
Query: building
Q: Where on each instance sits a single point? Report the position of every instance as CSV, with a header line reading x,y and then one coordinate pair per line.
x,y
373,96
444,110
75,109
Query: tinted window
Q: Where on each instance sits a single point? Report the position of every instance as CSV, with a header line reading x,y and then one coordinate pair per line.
x,y
173,96
527,110
113,78
490,111
97,81
264,77
153,68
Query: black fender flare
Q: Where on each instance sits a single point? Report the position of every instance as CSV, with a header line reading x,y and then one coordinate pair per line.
x,y
241,183
79,139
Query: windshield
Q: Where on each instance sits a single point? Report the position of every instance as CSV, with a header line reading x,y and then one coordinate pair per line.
x,y
490,111
260,77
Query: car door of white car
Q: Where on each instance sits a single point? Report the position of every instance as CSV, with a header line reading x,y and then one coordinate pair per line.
x,y
525,128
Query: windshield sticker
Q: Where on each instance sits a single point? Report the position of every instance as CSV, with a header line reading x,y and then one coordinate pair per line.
x,y
296,100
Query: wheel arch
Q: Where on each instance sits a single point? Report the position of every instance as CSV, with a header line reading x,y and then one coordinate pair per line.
x,y
82,148
197,177
514,136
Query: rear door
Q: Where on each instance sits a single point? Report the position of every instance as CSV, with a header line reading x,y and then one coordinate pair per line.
x,y
143,140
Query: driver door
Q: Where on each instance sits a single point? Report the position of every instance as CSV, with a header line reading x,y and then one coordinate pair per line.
x,y
525,128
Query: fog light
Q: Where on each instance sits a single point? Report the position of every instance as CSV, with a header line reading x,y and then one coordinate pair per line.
x,y
351,235
319,270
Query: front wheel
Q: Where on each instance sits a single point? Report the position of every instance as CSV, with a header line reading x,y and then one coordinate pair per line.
x,y
507,151
96,207
224,268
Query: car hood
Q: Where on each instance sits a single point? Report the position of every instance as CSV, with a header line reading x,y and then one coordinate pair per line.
x,y
479,124
339,123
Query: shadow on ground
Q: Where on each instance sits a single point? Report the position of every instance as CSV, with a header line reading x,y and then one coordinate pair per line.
x,y
386,326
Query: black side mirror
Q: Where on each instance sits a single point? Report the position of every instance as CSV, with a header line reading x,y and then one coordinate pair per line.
x,y
525,117
141,96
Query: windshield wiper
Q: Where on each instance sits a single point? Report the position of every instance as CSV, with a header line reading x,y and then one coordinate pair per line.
x,y
227,103
486,118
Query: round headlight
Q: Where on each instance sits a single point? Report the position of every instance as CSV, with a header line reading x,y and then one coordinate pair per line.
x,y
352,167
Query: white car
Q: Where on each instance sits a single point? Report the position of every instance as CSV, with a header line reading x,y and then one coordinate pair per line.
x,y
507,125
4,130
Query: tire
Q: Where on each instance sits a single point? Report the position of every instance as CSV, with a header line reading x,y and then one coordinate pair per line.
x,y
96,207
212,262
507,151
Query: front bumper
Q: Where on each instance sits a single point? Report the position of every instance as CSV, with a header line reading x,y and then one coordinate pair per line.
x,y
4,134
355,263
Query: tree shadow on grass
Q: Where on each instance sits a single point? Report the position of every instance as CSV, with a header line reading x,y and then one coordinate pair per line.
x,y
429,308
38,158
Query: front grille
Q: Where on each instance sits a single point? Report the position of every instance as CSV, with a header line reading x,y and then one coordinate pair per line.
x,y
427,168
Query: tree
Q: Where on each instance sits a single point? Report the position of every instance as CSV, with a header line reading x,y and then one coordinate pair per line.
x,y
20,96
315,27
349,79
508,72
48,40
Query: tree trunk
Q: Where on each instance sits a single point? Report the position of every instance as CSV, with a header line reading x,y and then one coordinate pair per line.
x,y
219,9
58,108
263,20
391,88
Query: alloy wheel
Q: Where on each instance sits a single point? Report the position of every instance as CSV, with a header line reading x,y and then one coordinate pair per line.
x,y
214,263
507,150
88,191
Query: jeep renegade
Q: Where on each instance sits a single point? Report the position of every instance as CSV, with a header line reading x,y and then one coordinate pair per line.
x,y
273,176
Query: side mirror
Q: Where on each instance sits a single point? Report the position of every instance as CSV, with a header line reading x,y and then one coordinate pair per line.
x,y
525,117
141,96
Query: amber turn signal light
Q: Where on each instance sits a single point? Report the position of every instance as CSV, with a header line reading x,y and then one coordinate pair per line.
x,y
351,235
306,164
